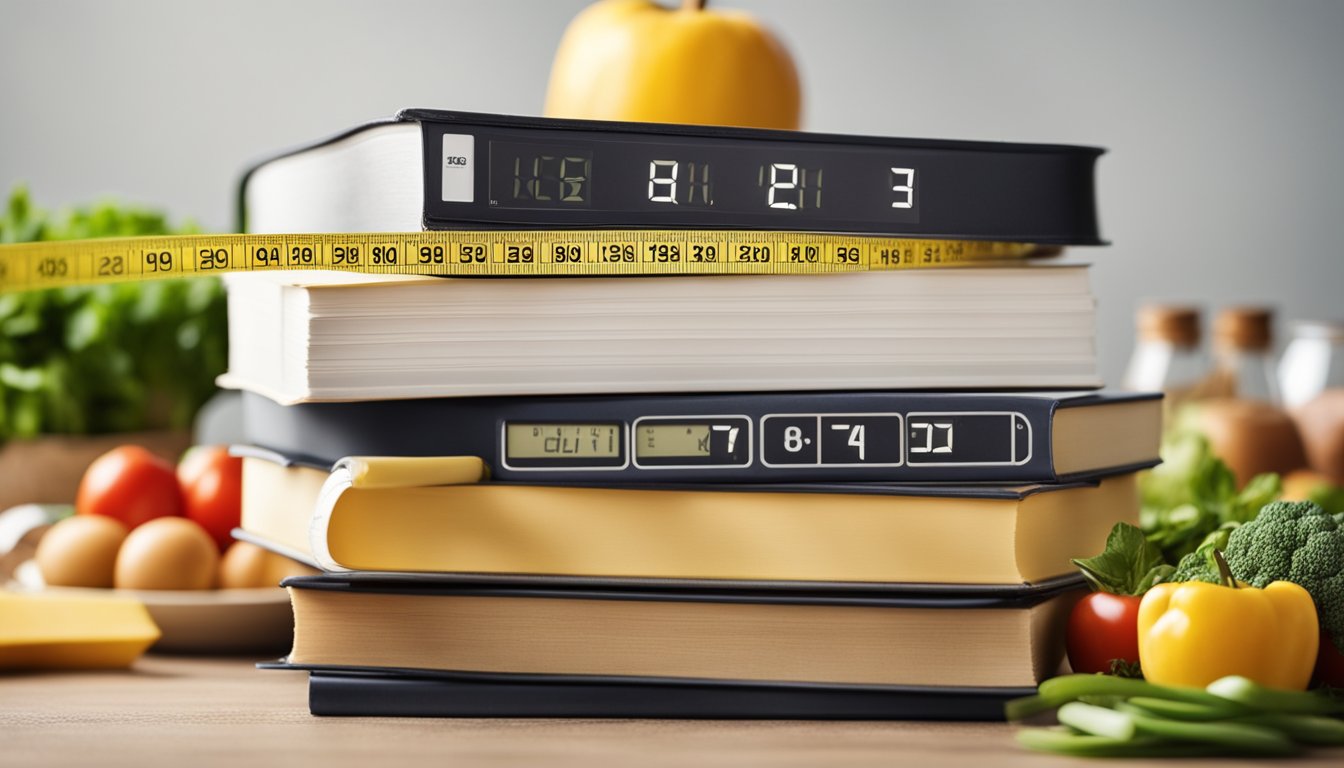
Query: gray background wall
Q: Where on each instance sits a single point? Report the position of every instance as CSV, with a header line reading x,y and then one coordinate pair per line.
x,y
1224,120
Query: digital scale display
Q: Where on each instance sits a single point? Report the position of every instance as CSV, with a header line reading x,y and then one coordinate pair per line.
x,y
712,441
539,446
787,441
967,439
668,441
722,182
517,172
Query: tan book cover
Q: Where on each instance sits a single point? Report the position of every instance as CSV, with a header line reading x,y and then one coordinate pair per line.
x,y
685,634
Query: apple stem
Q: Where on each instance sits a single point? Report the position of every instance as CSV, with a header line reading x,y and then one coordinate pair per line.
x,y
693,5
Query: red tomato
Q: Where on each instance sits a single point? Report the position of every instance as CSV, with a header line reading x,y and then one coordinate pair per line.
x,y
212,485
1329,663
1103,627
193,463
130,484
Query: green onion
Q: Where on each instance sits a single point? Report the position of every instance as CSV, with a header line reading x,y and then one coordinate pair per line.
x,y
1064,742
1061,690
1250,739
1304,729
1250,693
1184,710
1098,721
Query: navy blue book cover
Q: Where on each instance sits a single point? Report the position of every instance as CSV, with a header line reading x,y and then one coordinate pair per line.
x,y
776,438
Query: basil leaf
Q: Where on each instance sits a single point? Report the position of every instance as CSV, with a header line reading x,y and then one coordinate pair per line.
x,y
1129,565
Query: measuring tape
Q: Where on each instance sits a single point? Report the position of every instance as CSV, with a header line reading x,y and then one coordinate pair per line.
x,y
485,253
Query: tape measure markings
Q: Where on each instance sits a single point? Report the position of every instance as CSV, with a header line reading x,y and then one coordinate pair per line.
x,y
485,253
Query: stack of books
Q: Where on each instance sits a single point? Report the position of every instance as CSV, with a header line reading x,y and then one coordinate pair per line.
x,y
848,495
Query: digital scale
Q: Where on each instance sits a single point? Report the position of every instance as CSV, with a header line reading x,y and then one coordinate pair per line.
x,y
738,438
506,171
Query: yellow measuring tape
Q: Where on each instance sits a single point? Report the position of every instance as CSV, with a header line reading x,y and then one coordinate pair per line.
x,y
485,253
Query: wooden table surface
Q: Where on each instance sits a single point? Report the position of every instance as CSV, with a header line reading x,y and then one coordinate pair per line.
x,y
223,712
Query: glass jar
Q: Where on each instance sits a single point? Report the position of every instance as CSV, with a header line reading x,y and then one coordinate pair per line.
x,y
1312,362
1243,364
1167,356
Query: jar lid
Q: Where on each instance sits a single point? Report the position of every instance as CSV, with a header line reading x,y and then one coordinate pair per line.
x,y
1174,324
1245,328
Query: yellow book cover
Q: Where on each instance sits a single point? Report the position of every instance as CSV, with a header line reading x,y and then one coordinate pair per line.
x,y
440,516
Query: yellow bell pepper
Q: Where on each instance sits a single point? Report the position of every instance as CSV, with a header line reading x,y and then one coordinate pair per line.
x,y
1193,633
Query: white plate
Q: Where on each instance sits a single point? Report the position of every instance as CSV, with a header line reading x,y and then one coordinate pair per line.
x,y
217,621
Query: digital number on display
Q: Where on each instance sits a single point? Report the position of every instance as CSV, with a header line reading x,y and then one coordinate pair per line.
x,y
757,181
545,176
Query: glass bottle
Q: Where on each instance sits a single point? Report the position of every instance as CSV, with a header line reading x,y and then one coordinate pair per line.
x,y
1243,365
1312,362
1166,356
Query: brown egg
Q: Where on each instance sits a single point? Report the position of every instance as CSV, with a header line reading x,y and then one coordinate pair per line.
x,y
167,553
1252,437
246,565
243,567
80,551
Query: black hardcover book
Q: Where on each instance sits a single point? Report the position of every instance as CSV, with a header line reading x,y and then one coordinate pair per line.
x,y
786,437
361,693
436,169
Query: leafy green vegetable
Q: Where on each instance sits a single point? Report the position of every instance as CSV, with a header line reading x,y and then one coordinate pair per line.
x,y
1128,565
107,358
1293,541
1193,493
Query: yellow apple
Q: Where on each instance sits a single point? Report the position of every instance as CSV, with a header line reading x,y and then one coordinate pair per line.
x,y
640,61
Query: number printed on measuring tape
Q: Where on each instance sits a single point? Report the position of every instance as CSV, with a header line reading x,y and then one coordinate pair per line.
x,y
487,253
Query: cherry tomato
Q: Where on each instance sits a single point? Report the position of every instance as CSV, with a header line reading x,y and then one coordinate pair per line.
x,y
130,484
1103,627
212,486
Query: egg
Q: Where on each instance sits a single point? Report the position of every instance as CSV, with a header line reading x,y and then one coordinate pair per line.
x,y
167,553
243,567
80,551
246,566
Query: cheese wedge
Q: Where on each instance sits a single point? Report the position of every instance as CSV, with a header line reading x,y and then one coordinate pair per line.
x,y
84,631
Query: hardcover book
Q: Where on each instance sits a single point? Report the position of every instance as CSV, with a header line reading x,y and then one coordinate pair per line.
x,y
440,516
454,170
908,437
331,337
682,635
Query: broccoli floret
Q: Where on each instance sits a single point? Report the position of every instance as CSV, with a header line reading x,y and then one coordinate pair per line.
x,y
1199,565
1319,567
1293,541
1262,551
